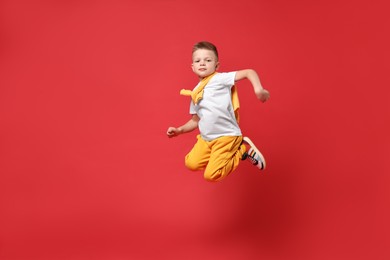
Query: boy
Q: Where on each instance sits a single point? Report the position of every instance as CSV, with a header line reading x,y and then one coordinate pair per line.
x,y
220,146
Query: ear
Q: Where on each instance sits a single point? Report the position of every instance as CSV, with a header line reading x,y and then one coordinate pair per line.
x,y
192,67
217,66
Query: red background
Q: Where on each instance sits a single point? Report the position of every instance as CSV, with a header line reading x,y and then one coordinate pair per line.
x,y
88,89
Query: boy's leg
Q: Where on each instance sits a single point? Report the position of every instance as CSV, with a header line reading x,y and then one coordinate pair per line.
x,y
198,157
226,154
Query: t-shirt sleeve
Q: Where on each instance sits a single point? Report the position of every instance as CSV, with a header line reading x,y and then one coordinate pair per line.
x,y
227,78
192,108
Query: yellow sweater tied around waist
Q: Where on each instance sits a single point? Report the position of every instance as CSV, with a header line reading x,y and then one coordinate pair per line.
x,y
197,94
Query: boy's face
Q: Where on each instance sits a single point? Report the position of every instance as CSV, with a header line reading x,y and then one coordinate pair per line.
x,y
204,63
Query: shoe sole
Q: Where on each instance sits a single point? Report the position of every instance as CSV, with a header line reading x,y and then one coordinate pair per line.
x,y
247,140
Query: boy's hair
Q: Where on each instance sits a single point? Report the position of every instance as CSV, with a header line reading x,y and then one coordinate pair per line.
x,y
205,46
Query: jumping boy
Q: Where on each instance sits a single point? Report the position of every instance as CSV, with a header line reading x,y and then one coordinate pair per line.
x,y
220,145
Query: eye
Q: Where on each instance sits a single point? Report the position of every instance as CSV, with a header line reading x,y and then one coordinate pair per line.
x,y
196,61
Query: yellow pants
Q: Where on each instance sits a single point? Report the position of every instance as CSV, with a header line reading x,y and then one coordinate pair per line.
x,y
218,157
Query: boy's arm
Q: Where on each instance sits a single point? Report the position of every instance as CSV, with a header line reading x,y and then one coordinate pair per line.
x,y
191,125
252,76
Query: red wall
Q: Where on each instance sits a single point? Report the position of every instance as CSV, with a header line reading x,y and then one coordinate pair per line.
x,y
88,89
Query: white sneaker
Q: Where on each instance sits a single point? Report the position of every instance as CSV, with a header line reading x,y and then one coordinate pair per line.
x,y
254,155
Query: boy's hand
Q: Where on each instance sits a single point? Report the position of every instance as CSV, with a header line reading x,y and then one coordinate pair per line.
x,y
263,95
173,131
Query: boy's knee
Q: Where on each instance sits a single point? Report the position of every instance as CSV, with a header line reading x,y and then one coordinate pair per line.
x,y
213,176
192,164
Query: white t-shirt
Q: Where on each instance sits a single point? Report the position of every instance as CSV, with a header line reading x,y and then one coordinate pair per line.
x,y
215,110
